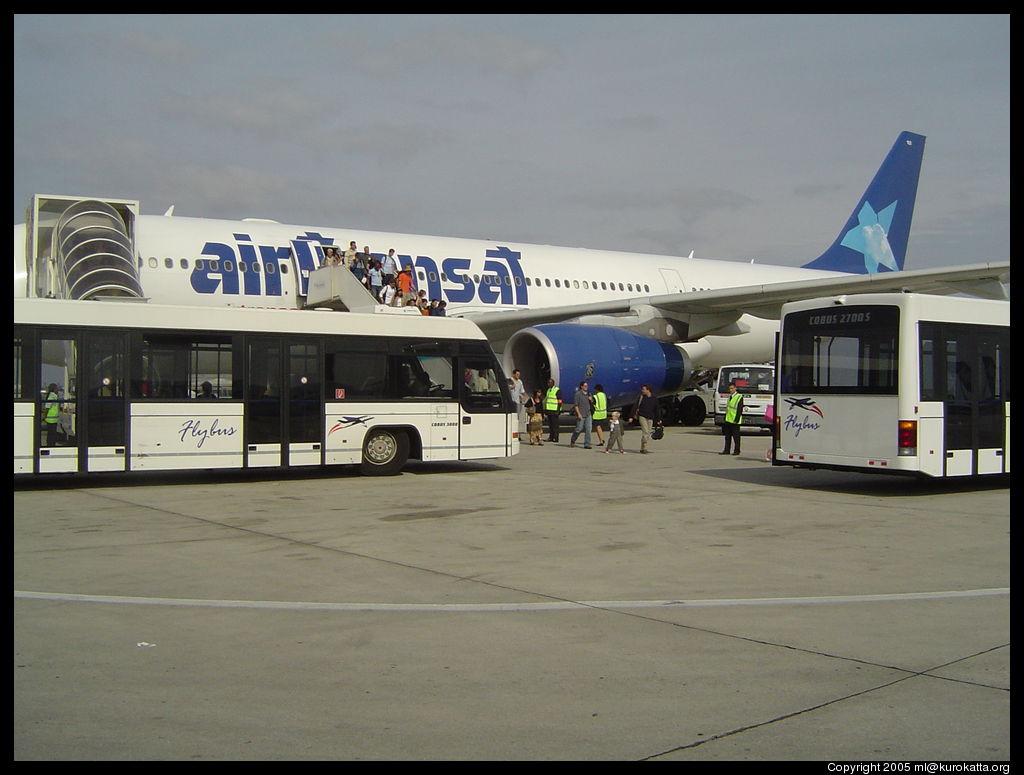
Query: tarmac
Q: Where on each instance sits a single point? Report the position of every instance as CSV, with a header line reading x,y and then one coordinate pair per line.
x,y
562,604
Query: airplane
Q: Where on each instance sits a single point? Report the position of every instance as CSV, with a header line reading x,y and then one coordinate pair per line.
x,y
615,318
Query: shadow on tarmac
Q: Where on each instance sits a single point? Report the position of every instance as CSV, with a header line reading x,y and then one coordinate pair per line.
x,y
880,485
885,485
157,478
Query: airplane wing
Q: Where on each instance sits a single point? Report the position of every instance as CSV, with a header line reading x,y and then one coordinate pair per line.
x,y
721,306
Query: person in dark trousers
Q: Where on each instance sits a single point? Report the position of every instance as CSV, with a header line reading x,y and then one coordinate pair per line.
x,y
51,414
552,408
584,416
733,420
600,401
648,414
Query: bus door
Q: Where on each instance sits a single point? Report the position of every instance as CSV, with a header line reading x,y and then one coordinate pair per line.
x,y
103,391
81,402
283,403
969,376
57,404
483,409
26,391
423,377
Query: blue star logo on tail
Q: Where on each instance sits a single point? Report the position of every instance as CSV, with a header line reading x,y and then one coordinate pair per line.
x,y
870,237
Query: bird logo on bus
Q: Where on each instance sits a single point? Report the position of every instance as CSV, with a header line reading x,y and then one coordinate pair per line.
x,y
807,404
349,422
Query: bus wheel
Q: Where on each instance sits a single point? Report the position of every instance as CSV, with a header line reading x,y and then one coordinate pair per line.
x,y
384,452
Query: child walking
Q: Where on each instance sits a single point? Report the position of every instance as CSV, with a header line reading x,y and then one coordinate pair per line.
x,y
615,434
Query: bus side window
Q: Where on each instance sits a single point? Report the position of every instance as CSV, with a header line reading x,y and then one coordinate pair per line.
x,y
421,376
354,372
481,384
177,367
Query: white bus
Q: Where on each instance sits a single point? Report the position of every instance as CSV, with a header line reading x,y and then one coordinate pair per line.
x,y
102,386
756,382
901,383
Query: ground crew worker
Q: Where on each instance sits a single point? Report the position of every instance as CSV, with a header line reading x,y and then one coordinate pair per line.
x,y
552,408
600,413
51,414
733,420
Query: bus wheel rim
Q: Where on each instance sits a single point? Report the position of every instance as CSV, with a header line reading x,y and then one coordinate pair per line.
x,y
381,448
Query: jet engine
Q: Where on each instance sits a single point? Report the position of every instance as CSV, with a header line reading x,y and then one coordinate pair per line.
x,y
614,358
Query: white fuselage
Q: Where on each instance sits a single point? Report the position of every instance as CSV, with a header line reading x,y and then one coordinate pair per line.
x,y
470,275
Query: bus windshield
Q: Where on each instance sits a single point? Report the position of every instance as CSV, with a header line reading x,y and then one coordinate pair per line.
x,y
845,350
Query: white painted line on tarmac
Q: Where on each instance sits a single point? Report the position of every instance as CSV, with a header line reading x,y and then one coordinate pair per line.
x,y
558,605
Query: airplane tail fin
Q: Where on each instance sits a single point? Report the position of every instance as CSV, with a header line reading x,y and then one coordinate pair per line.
x,y
874,239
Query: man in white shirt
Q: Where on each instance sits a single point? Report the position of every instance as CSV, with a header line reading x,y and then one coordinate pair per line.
x,y
389,266
519,396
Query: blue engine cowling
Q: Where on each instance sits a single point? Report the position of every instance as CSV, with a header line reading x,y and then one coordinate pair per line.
x,y
615,358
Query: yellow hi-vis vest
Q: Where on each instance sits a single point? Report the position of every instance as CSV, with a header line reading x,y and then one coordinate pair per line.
x,y
600,406
52,410
732,409
551,399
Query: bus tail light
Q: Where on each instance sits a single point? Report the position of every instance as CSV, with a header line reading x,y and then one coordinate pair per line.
x,y
907,438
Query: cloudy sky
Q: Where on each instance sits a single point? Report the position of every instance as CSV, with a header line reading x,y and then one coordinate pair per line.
x,y
735,136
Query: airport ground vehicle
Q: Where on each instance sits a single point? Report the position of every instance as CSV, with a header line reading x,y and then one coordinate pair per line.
x,y
900,383
755,382
130,386
691,407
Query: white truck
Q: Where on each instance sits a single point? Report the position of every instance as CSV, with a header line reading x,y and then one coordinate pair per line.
x,y
756,383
